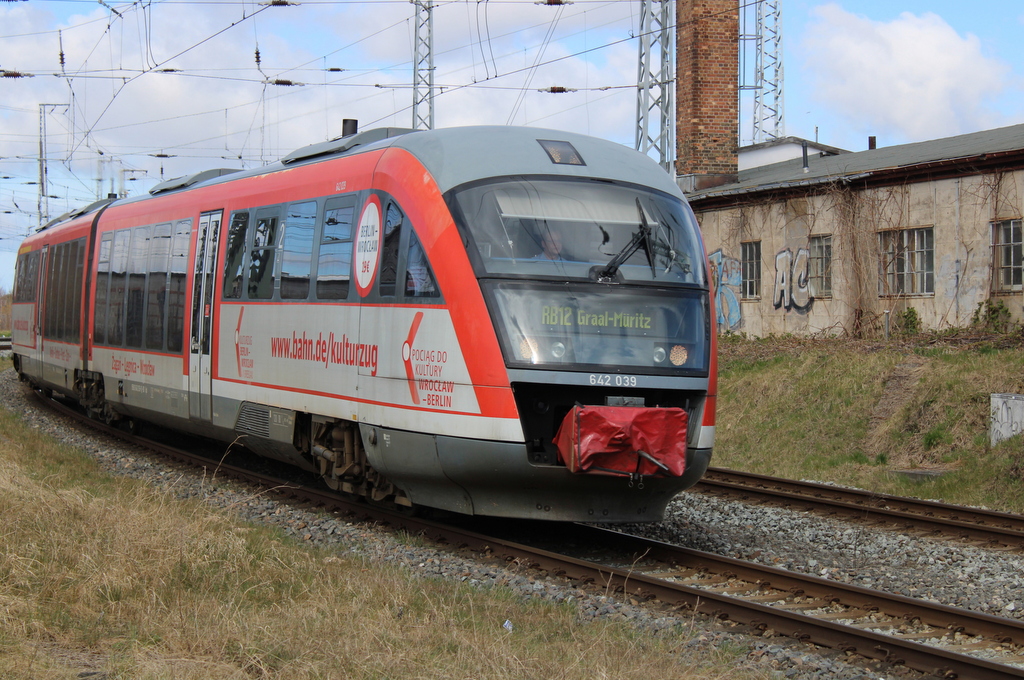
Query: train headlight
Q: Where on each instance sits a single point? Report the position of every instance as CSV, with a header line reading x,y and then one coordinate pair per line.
x,y
679,355
528,349
558,350
659,354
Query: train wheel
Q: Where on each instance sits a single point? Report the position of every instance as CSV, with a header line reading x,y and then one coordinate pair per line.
x,y
399,504
132,426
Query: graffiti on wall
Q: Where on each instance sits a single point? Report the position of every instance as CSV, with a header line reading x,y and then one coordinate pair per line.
x,y
792,289
1007,417
727,279
791,278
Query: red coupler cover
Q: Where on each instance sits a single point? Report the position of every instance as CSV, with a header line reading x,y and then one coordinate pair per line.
x,y
623,440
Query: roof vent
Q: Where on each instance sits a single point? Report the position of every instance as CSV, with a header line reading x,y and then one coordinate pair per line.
x,y
342,144
95,205
186,181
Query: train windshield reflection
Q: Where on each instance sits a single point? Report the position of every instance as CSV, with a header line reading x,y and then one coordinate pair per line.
x,y
548,227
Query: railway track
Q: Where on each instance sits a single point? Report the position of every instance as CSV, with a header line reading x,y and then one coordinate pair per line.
x,y
982,527
873,624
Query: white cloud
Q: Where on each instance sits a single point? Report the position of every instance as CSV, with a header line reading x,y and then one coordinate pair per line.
x,y
909,79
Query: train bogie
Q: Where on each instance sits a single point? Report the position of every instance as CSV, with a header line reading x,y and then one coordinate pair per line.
x,y
418,317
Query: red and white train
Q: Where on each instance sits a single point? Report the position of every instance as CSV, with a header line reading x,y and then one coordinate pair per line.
x,y
490,320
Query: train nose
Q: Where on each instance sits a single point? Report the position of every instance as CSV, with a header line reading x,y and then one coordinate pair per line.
x,y
623,440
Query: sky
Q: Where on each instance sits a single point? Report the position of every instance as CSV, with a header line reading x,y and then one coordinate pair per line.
x,y
131,93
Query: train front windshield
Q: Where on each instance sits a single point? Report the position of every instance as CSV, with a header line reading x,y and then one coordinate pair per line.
x,y
590,275
567,228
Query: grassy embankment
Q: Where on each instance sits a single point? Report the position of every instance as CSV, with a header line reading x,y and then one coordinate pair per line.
x,y
107,574
854,412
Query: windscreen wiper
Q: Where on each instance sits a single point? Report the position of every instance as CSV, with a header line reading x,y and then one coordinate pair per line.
x,y
641,239
663,248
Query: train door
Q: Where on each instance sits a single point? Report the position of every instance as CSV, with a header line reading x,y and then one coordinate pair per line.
x,y
200,380
39,317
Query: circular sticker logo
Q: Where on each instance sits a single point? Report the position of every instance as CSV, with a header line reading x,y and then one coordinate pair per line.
x,y
368,241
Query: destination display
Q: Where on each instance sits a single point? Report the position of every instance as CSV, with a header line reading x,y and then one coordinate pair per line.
x,y
575,324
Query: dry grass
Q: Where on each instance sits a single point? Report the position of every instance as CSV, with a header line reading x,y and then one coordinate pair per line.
x,y
855,412
110,575
107,574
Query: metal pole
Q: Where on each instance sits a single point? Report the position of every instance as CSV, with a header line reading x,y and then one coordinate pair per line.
x,y
423,67
43,205
42,164
655,114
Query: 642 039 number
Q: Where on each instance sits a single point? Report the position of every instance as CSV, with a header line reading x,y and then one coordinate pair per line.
x,y
617,380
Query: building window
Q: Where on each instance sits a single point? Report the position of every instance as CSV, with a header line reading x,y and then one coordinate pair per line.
x,y
819,266
1007,266
750,254
907,265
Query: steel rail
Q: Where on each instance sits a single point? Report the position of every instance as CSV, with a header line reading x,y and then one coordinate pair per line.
x,y
866,643
970,523
998,628
925,658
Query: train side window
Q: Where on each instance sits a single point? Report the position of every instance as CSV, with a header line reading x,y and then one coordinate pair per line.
x,y
334,261
233,266
264,246
419,277
53,301
297,250
63,292
118,286
76,269
156,291
28,277
389,253
99,334
137,266
176,295
62,279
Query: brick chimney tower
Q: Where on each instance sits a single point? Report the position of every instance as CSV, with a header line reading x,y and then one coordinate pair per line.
x,y
707,109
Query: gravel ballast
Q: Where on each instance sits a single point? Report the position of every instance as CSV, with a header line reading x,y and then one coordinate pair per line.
x,y
962,576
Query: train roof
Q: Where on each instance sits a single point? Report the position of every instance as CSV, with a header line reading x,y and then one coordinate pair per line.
x,y
456,156
72,214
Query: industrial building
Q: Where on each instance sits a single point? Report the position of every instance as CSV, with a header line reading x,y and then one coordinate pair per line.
x,y
809,239
834,241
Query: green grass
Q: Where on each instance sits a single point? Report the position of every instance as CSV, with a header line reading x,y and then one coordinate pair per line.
x,y
804,409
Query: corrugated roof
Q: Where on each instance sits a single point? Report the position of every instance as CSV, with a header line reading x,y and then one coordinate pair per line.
x,y
855,165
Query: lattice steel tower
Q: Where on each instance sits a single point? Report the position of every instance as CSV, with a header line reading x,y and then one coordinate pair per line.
x,y
761,67
655,114
423,67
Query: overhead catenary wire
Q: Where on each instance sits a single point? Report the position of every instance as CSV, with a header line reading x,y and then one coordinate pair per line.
x,y
169,59
533,71
347,80
451,87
